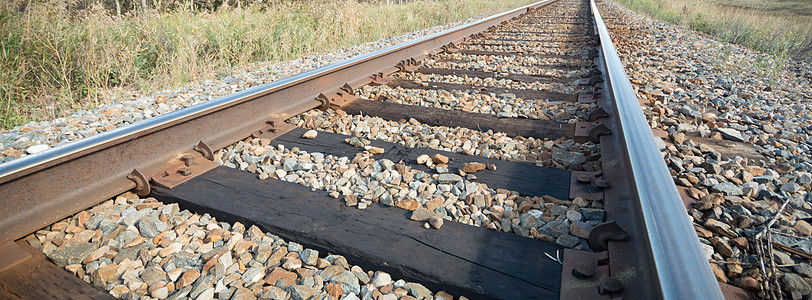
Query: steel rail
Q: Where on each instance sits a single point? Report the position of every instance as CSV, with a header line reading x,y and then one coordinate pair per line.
x,y
43,188
681,267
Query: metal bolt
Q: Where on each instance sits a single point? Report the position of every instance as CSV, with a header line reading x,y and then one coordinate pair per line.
x,y
583,270
583,178
609,285
602,183
185,171
188,159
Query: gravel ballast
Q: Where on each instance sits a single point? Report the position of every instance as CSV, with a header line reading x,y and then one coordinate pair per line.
x,y
700,94
361,180
561,153
142,249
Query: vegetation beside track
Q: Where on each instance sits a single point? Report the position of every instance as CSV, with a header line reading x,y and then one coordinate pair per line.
x,y
779,27
56,58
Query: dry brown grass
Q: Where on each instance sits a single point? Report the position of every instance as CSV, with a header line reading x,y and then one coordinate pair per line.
x,y
779,27
53,62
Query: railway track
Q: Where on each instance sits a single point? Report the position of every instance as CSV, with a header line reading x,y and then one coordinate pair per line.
x,y
507,158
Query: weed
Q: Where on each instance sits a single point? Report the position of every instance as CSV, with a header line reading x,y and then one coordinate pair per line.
x,y
724,54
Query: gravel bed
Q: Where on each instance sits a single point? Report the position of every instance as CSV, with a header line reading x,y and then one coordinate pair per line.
x,y
549,46
568,87
507,64
143,249
562,153
698,90
533,31
503,105
512,62
572,36
361,180
39,136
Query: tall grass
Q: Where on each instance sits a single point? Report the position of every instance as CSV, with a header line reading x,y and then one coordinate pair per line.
x,y
757,25
53,61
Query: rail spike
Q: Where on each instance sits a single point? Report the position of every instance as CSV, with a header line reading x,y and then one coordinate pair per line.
x,y
348,88
599,113
596,132
379,79
204,149
449,48
142,187
600,236
325,102
408,65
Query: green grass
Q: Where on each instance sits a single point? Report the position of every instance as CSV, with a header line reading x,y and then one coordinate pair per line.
x,y
54,61
782,28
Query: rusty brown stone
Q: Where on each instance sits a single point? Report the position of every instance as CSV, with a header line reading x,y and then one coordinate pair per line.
x,y
473,167
439,159
333,289
187,278
408,204
719,273
281,278
214,235
748,283
433,204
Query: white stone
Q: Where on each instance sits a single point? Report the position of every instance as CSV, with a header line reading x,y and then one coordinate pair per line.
x,y
208,294
160,293
37,148
350,296
310,134
225,259
381,279
422,159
